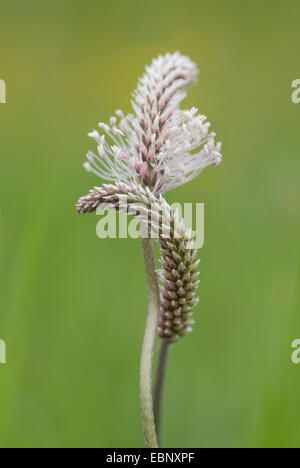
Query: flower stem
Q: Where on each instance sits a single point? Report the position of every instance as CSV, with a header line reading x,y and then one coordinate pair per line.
x,y
148,346
159,382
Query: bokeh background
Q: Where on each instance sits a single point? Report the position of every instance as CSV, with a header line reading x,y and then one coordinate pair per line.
x,y
73,307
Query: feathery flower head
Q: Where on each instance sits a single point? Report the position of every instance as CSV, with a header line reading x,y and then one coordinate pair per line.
x,y
158,145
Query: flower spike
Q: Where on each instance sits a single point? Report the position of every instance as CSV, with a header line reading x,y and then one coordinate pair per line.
x,y
158,145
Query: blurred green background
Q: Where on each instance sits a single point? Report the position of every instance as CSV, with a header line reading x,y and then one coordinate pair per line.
x,y
72,307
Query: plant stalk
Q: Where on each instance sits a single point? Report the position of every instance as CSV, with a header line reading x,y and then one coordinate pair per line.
x,y
148,346
161,369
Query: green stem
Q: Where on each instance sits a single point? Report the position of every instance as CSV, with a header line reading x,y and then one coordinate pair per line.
x,y
159,382
148,346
